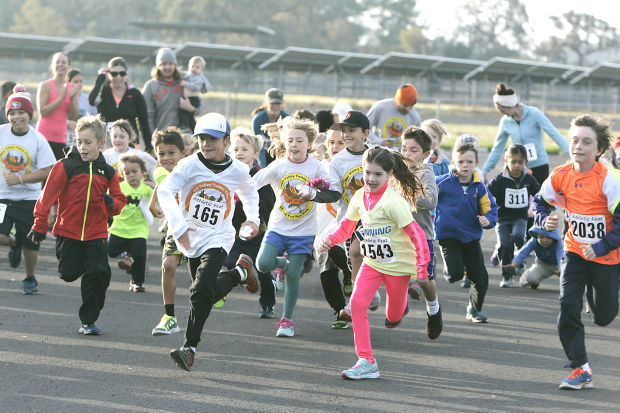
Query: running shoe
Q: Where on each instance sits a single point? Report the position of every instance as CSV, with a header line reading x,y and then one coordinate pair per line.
x,y
394,324
30,285
506,283
167,325
184,357
220,303
135,287
265,312
578,379
125,264
376,302
342,320
249,282
434,325
347,286
494,259
465,283
345,313
363,369
15,256
286,328
89,330
414,290
475,316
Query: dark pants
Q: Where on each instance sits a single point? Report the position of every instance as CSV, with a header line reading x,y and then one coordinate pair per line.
x,y
330,280
267,289
208,286
511,233
187,119
88,259
136,248
601,284
459,256
541,173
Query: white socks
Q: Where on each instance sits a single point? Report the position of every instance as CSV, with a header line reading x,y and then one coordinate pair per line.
x,y
242,273
586,367
432,307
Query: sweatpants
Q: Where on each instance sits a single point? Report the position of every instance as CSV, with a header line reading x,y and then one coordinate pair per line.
x,y
336,260
89,260
136,248
209,285
367,283
459,256
601,284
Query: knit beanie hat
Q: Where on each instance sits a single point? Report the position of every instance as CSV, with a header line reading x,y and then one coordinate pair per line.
x,y
407,94
20,99
164,55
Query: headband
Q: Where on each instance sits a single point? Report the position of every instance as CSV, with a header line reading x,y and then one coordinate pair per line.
x,y
508,101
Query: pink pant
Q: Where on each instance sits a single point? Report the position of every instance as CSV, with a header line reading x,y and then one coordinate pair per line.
x,y
367,282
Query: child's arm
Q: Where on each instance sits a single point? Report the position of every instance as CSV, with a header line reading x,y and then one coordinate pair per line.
x,y
54,185
418,239
488,209
266,201
249,196
559,252
343,233
611,189
157,213
166,192
545,202
119,198
265,176
430,187
525,251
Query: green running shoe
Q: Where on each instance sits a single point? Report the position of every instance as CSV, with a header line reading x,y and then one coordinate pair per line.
x,y
220,303
167,325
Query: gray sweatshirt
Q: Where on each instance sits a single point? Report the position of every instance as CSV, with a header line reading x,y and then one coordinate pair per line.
x,y
386,122
162,103
425,205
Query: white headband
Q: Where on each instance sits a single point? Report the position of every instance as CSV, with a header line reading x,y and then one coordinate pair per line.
x,y
506,100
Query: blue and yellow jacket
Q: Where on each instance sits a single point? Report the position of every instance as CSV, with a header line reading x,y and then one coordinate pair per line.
x,y
458,208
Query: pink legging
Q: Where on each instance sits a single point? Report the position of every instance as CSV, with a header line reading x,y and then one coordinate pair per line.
x,y
367,283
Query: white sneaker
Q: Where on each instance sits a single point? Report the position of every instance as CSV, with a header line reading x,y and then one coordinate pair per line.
x,y
506,284
286,328
376,302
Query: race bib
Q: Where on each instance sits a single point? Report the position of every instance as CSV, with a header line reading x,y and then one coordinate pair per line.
x,y
2,212
206,213
531,152
588,229
516,198
378,249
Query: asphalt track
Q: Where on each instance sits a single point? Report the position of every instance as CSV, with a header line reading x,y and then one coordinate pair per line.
x,y
512,364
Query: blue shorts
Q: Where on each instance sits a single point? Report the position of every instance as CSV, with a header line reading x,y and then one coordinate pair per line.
x,y
290,245
431,250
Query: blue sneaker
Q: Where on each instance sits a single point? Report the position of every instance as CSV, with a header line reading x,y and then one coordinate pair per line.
x,y
15,256
89,330
475,316
30,285
265,312
363,369
578,379
494,260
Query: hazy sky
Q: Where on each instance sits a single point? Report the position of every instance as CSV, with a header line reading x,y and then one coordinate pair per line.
x,y
438,14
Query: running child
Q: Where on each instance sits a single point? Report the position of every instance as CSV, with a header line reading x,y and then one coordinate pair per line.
x,y
589,192
169,147
436,130
464,208
548,248
80,183
202,224
121,134
130,229
246,147
415,147
512,189
292,224
394,248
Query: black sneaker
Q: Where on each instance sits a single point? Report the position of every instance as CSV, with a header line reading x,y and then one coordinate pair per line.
x,y
184,357
15,256
389,324
434,325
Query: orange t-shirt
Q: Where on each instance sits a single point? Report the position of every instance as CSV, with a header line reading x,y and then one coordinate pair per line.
x,y
591,200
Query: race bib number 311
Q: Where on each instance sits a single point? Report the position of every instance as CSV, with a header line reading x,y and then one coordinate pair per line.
x,y
588,229
378,249
516,198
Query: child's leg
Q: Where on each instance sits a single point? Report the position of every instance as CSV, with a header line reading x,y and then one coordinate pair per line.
x,y
332,289
269,258
117,245
519,228
137,250
366,284
339,258
453,259
95,280
396,288
356,257
428,284
476,273
168,281
575,272
506,250
291,283
602,293
536,273
70,253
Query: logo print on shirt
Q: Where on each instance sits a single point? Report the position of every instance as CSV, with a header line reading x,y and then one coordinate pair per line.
x,y
291,205
351,182
15,159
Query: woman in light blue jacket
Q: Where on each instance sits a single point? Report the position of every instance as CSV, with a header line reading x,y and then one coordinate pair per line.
x,y
524,124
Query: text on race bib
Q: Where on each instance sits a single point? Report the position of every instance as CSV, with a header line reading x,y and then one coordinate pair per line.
x,y
531,152
206,213
588,229
378,249
516,198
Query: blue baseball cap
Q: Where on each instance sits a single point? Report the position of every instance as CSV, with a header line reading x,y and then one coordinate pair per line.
x,y
213,124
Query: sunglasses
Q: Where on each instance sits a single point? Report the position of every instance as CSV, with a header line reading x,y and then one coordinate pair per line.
x,y
114,74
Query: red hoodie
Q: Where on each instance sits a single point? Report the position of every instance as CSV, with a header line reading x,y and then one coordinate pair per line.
x,y
78,186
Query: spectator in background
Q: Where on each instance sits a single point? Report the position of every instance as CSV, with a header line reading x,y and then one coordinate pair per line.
x,y
268,112
163,93
194,83
74,77
390,117
340,110
304,114
115,98
325,120
7,89
57,102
